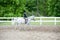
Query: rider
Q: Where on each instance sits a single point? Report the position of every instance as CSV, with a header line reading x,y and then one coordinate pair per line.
x,y
25,17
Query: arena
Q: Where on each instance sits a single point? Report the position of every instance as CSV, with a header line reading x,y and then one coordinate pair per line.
x,y
29,32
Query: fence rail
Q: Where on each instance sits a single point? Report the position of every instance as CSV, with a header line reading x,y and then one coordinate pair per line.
x,y
48,19
37,19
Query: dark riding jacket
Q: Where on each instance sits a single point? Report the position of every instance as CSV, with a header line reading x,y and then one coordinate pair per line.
x,y
25,16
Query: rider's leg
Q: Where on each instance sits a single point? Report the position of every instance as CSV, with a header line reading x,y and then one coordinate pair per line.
x,y
26,20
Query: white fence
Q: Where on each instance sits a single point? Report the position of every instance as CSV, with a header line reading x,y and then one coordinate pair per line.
x,y
7,19
55,20
37,19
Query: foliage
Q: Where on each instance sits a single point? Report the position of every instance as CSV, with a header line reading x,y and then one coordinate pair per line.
x,y
15,8
53,8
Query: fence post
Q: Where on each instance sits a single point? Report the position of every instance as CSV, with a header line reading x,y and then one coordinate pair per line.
x,y
40,21
55,21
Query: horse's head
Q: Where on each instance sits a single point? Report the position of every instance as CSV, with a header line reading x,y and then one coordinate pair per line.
x,y
32,17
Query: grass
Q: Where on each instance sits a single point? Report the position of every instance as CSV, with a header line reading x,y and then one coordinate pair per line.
x,y
48,19
48,23
5,23
33,23
58,18
58,23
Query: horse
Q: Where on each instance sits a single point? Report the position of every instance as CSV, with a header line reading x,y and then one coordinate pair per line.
x,y
16,21
19,21
30,18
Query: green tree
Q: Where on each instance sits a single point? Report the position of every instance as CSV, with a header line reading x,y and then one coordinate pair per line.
x,y
12,7
53,8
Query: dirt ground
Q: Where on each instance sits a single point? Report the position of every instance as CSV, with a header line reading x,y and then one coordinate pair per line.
x,y
24,32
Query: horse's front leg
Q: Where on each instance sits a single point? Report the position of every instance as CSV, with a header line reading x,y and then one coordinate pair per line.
x,y
28,22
